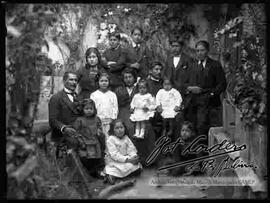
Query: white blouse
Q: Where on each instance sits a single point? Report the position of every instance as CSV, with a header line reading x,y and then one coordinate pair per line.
x,y
106,104
118,150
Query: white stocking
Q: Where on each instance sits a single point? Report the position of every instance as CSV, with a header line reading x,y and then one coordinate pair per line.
x,y
137,129
142,129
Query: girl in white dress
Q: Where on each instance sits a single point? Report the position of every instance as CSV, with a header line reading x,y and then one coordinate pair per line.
x,y
106,102
168,102
121,159
142,107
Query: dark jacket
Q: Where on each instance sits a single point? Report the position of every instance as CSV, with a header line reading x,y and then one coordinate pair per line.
x,y
92,135
211,80
154,86
86,83
119,56
123,97
61,112
179,74
124,101
143,56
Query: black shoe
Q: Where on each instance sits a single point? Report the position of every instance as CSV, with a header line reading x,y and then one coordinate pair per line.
x,y
110,179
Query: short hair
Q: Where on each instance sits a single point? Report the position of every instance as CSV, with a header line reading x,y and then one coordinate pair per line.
x,y
86,102
101,74
190,126
203,43
167,78
114,34
156,63
112,125
66,74
143,80
176,39
95,51
137,28
130,71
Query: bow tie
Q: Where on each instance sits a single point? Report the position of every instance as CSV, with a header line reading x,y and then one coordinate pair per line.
x,y
74,94
71,93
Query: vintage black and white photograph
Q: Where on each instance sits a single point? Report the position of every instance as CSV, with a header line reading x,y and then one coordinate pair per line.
x,y
136,101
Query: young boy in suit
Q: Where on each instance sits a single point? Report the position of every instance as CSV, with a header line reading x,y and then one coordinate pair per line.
x,y
139,55
115,60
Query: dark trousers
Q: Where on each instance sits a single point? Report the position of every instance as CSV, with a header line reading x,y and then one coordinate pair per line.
x,y
179,119
202,114
93,166
156,122
145,146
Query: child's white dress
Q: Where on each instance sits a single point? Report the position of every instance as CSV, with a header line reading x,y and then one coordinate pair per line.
x,y
138,103
118,150
168,101
107,107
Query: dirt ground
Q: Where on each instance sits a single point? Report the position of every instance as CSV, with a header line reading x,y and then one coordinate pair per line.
x,y
66,183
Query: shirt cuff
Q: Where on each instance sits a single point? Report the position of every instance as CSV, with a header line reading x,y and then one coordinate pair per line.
x,y
62,128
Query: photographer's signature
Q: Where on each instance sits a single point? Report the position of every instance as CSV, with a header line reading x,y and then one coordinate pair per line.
x,y
164,146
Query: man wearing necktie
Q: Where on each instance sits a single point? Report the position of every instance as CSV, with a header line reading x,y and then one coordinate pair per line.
x,y
207,82
63,112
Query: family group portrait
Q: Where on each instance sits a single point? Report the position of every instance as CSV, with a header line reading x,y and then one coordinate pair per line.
x,y
135,101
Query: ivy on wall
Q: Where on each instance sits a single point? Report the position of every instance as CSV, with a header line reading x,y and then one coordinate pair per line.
x,y
250,90
247,91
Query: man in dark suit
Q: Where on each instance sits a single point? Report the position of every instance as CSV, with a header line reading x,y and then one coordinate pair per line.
x,y
207,82
177,68
139,56
63,112
178,65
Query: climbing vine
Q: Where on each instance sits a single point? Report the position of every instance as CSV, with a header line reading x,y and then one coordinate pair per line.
x,y
248,92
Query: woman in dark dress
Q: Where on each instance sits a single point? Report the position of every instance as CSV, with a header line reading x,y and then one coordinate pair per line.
x,y
91,136
87,74
124,95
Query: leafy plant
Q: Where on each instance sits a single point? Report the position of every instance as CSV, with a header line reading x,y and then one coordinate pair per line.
x,y
24,64
250,90
248,79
